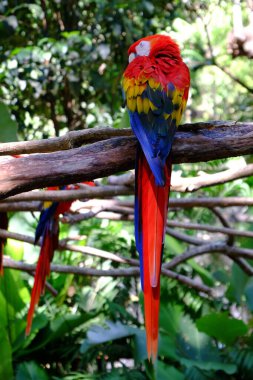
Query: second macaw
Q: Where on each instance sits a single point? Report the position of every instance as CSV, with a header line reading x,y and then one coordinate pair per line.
x,y
155,85
48,230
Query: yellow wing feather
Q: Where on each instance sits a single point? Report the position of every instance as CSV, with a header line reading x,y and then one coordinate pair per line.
x,y
135,101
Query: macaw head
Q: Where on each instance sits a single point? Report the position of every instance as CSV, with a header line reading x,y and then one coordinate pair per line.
x,y
155,46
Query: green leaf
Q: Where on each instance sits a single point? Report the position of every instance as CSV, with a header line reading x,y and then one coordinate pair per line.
x,y
238,282
194,344
249,294
6,371
222,327
140,350
170,317
205,275
8,127
165,371
31,371
98,334
11,289
167,347
210,365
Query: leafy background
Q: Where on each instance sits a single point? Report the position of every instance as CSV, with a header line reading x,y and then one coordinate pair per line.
x,y
60,69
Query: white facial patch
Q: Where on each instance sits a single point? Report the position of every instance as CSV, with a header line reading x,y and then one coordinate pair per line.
x,y
131,57
143,48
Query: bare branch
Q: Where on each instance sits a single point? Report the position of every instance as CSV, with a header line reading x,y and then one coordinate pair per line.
x,y
204,180
214,247
71,140
121,272
183,237
125,272
86,192
225,223
196,251
212,229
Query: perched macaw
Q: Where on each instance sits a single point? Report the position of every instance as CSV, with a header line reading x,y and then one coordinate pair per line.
x,y
48,230
155,86
4,226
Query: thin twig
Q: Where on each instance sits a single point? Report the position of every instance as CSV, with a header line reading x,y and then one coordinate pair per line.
x,y
212,229
225,223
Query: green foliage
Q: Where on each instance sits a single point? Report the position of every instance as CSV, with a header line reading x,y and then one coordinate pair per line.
x,y
222,327
8,127
30,371
60,69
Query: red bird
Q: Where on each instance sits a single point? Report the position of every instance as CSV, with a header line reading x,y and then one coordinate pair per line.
x,y
48,230
155,85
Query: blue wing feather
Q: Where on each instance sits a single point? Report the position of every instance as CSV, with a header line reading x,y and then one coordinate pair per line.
x,y
45,216
154,131
155,135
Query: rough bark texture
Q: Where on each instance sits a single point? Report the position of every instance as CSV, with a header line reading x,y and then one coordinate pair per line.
x,y
193,143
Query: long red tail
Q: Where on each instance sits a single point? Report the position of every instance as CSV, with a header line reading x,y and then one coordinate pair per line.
x,y
42,271
151,212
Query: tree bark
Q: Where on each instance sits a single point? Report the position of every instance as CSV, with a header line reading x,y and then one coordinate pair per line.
x,y
193,143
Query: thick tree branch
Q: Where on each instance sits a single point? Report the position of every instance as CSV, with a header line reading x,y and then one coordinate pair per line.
x,y
193,143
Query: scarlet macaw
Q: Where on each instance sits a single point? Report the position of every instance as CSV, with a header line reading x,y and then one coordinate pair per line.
x,y
155,86
48,230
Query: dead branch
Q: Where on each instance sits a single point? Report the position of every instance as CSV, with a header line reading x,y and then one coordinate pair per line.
x,y
71,140
214,247
193,143
191,184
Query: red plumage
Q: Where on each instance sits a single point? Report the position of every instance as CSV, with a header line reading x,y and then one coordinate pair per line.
x,y
41,273
48,230
156,85
153,230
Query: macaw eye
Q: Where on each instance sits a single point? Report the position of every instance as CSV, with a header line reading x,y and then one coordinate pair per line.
x,y
143,48
131,57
